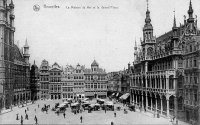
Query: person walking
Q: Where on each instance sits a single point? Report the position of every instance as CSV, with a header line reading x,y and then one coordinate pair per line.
x,y
17,118
21,120
64,114
115,114
26,116
25,111
36,121
35,110
81,118
38,105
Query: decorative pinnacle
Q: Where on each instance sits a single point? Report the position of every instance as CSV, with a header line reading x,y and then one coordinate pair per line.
x,y
174,25
26,43
190,11
147,4
135,45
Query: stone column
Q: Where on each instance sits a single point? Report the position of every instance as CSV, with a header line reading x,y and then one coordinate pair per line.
x,y
161,83
142,101
175,108
150,82
156,105
167,83
146,101
161,105
133,98
136,99
167,98
156,83
151,103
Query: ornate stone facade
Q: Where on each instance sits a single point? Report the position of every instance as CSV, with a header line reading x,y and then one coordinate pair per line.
x,y
14,62
165,75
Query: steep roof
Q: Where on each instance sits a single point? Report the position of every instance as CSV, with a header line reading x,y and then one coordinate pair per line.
x,y
94,63
18,54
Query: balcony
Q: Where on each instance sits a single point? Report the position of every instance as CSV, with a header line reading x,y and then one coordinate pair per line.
x,y
161,72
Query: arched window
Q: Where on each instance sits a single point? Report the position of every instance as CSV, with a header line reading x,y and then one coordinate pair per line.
x,y
150,51
190,48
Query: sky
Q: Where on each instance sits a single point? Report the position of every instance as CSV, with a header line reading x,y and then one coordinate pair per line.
x,y
75,35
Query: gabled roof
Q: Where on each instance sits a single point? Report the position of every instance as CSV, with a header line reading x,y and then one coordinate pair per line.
x,y
94,63
55,66
18,54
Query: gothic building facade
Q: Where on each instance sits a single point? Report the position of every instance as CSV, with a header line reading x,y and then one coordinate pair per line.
x,y
165,75
14,62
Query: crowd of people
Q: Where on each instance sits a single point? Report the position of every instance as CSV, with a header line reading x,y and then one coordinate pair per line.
x,y
78,109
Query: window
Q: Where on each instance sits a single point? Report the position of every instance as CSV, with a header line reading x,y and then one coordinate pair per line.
x,y
195,95
180,63
195,62
91,85
190,62
190,48
195,80
95,85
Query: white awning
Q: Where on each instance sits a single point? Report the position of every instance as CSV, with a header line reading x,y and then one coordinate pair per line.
x,y
66,102
61,105
125,96
109,103
74,104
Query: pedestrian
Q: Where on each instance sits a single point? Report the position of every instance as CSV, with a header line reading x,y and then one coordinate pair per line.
x,y
81,118
25,111
35,110
38,105
64,114
36,121
26,116
21,121
115,114
17,118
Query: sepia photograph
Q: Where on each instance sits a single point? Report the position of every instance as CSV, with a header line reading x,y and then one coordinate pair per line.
x,y
99,62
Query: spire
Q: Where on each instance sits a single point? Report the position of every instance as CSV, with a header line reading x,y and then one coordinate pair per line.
x,y
174,25
135,45
26,44
148,19
11,4
190,11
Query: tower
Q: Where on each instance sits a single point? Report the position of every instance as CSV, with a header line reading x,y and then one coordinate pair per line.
x,y
148,28
94,66
174,40
26,52
191,27
148,38
6,53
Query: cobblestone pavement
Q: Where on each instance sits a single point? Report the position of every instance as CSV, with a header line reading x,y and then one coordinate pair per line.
x,y
96,117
